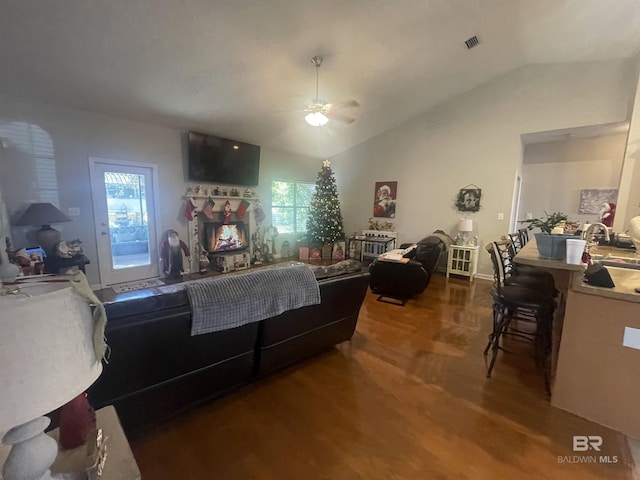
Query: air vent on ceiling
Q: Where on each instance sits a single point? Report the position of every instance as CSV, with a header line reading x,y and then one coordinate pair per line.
x,y
472,42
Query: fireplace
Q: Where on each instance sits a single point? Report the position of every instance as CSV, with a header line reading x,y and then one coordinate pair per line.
x,y
221,238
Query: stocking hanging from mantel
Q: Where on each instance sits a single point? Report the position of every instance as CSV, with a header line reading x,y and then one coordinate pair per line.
x,y
258,211
242,208
227,212
207,209
189,209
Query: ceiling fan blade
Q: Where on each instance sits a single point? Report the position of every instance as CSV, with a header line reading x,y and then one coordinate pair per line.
x,y
347,104
333,115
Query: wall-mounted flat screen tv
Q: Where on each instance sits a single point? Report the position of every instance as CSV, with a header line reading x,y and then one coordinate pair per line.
x,y
220,160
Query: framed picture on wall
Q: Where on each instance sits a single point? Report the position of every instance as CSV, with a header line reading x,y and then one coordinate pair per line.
x,y
468,199
592,199
384,199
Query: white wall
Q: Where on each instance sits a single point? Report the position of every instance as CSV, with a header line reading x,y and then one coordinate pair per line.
x,y
475,138
77,135
553,173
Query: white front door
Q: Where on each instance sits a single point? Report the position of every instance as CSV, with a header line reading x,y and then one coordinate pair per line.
x,y
123,202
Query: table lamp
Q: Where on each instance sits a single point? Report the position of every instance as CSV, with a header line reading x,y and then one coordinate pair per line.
x,y
44,214
47,357
465,225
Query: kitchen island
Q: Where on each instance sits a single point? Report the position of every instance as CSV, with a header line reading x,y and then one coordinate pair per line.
x,y
596,359
563,274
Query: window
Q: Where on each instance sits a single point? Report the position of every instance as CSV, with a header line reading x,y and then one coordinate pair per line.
x,y
290,205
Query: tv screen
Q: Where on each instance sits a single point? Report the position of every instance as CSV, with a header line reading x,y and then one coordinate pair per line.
x,y
226,237
220,160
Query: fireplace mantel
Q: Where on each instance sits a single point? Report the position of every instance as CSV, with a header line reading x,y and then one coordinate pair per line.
x,y
194,234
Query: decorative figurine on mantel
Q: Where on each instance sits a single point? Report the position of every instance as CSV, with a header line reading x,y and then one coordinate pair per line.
x,y
203,262
256,247
171,250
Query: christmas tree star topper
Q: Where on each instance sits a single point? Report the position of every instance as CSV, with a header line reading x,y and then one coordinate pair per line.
x,y
326,163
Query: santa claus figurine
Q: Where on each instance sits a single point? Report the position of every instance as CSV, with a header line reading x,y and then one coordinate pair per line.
x,y
608,213
171,250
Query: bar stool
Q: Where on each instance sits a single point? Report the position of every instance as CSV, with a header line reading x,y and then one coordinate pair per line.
x,y
520,304
523,275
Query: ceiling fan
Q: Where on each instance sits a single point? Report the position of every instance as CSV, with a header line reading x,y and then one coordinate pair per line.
x,y
319,112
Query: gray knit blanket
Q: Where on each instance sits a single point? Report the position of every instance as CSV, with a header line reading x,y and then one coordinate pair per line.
x,y
229,301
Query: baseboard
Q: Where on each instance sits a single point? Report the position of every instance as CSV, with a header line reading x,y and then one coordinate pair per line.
x,y
484,276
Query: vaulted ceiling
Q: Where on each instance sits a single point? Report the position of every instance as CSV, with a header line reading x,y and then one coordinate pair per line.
x,y
241,68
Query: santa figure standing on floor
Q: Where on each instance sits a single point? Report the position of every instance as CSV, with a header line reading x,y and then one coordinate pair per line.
x,y
171,250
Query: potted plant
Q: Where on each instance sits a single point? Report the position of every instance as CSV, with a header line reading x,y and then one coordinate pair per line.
x,y
550,245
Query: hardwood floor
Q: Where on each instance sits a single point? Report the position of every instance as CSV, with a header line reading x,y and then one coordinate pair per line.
x,y
406,399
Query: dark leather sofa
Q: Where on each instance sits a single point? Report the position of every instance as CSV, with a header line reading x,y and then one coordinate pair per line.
x,y
403,280
156,369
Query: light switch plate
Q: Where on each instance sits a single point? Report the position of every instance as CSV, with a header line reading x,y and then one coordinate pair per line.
x,y
631,338
501,216
73,211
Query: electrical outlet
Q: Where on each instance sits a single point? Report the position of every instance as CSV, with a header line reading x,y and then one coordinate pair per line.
x,y
73,211
500,216
529,216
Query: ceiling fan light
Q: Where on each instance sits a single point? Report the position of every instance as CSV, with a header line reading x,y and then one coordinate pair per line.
x,y
316,119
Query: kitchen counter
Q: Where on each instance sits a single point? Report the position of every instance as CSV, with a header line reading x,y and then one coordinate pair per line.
x,y
597,373
595,358
625,280
529,255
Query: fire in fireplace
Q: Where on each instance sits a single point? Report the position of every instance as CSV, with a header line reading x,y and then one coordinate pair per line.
x,y
224,238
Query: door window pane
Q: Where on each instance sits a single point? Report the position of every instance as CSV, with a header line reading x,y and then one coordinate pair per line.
x,y
128,219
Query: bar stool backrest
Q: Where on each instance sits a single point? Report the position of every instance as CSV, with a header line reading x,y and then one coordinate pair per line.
x,y
524,236
498,271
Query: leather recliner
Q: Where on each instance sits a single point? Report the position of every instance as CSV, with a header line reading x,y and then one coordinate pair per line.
x,y
402,280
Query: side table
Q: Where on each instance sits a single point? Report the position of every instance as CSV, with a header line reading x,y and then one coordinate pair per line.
x,y
463,260
60,265
120,463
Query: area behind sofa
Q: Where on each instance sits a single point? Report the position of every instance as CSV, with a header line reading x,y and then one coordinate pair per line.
x,y
157,369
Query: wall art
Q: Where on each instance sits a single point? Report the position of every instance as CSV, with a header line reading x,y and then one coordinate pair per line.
x,y
468,199
384,200
592,200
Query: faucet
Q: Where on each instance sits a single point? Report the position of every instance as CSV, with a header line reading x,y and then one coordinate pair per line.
x,y
589,231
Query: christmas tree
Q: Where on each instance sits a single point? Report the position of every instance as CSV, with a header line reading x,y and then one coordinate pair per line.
x,y
325,220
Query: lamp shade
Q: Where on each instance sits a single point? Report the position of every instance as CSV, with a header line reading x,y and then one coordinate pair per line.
x,y
42,214
47,354
465,225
